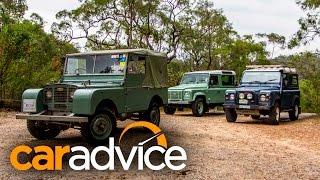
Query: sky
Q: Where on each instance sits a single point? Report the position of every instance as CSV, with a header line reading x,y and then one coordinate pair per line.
x,y
246,16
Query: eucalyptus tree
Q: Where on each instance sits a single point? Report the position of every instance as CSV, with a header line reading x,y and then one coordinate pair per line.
x,y
106,24
309,25
275,40
208,34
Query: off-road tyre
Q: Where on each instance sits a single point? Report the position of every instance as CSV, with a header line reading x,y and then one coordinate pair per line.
x,y
170,110
255,117
99,128
231,115
41,131
274,114
198,107
294,113
153,114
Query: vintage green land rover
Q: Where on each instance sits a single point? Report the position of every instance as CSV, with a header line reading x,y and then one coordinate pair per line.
x,y
96,90
200,91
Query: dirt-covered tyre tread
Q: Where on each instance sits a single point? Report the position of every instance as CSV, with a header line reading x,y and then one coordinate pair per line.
x,y
294,113
231,115
195,107
153,114
41,132
274,116
255,117
170,110
86,130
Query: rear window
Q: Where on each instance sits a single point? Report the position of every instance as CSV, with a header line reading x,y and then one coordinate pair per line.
x,y
227,80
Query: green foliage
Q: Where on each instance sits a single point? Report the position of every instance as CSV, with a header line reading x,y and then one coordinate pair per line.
x,y
245,51
29,57
310,100
176,69
309,25
308,67
107,24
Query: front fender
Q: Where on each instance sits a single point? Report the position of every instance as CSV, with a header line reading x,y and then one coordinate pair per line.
x,y
34,94
195,95
86,101
274,97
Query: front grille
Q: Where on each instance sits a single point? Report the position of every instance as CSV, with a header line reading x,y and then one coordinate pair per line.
x,y
250,102
60,107
61,96
175,95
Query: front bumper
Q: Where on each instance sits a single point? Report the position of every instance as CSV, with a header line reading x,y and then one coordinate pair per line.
x,y
179,102
247,109
42,117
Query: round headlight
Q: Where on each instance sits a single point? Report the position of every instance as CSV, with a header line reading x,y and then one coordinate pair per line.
x,y
250,96
232,97
187,95
263,98
72,94
241,96
49,94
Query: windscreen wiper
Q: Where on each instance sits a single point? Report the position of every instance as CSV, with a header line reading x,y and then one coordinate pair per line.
x,y
270,80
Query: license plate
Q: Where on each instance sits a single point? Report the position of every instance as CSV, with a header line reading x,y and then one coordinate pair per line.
x,y
244,107
29,105
243,101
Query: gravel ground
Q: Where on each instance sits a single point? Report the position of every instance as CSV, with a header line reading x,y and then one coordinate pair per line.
x,y
216,149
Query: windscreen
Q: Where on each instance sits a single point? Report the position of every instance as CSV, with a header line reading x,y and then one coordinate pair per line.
x,y
100,64
261,77
196,78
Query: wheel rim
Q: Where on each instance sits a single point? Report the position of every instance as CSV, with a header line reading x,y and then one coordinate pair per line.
x,y
277,114
102,127
296,111
155,116
200,107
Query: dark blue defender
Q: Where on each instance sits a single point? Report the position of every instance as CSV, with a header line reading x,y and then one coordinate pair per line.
x,y
265,90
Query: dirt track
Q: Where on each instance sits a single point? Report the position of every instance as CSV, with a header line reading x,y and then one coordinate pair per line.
x,y
216,149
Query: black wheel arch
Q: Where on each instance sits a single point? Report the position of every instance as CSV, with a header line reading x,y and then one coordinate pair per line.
x,y
296,99
156,99
107,104
202,97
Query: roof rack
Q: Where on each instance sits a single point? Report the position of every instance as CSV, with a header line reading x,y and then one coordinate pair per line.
x,y
285,69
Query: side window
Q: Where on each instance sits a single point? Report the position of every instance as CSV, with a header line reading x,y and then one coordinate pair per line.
x,y
214,80
294,81
227,80
286,81
136,65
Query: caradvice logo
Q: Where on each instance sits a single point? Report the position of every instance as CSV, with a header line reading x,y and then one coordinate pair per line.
x,y
53,158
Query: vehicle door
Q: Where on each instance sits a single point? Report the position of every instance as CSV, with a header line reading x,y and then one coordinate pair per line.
x,y
134,92
290,89
214,89
286,95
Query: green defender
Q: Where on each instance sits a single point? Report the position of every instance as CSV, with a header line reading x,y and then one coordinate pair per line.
x,y
96,90
200,91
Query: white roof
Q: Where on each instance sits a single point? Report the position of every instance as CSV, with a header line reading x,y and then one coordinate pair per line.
x,y
213,72
266,68
122,51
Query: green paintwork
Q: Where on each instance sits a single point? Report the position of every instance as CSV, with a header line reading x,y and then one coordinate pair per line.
x,y
36,94
126,92
212,94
